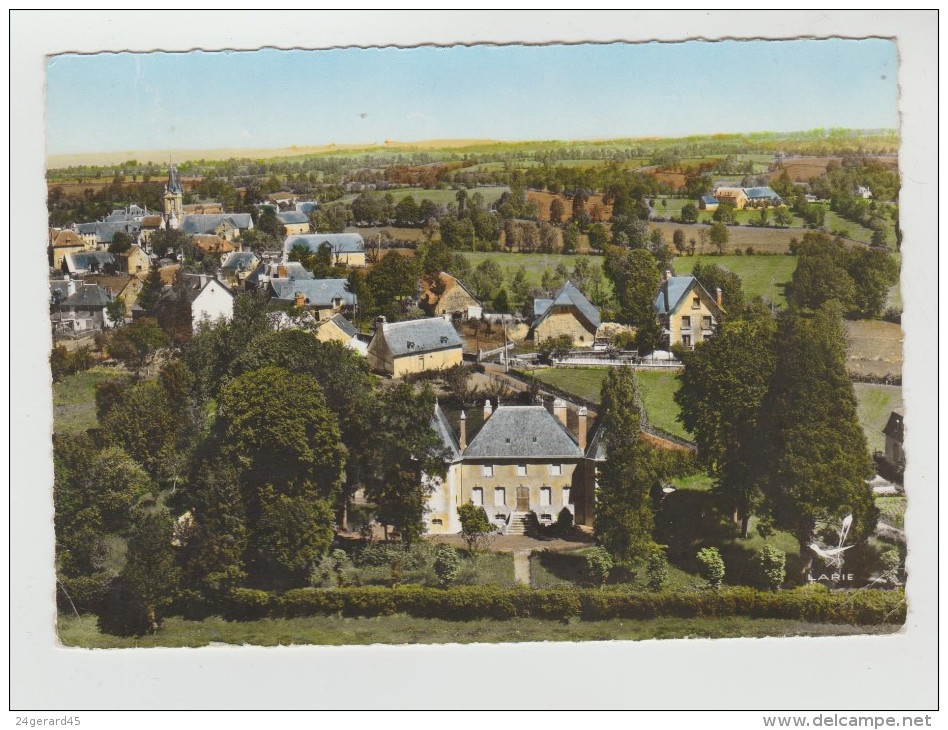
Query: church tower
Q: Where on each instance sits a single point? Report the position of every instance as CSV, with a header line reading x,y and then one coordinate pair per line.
x,y
173,198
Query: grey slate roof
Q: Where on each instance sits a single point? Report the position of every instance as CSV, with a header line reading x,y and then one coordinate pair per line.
x,y
88,296
208,222
597,446
764,193
709,199
340,242
894,427
569,295
523,432
318,292
59,289
292,216
239,260
87,260
344,324
540,306
418,336
673,290
174,182
441,427
307,207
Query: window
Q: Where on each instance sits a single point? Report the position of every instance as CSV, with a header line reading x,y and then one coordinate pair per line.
x,y
437,521
556,470
686,340
706,323
487,470
477,497
565,496
546,496
500,496
686,323
521,470
696,302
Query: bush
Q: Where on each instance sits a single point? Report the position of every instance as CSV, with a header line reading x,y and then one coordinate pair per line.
x,y
564,522
475,527
771,564
711,566
467,603
598,564
656,570
333,570
84,593
248,603
749,251
447,565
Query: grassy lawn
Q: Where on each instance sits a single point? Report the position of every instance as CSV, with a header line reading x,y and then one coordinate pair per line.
x,y
550,569
760,275
834,222
74,399
335,631
656,386
695,482
875,403
483,568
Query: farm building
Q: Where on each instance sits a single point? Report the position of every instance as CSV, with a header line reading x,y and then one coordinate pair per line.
x,y
708,202
445,294
295,222
325,296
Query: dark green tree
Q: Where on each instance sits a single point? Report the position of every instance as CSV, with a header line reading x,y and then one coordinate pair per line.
x,y
723,385
635,279
719,236
624,518
150,568
813,456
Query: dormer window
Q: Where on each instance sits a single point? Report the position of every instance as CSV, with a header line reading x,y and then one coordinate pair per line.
x,y
410,345
696,302
444,340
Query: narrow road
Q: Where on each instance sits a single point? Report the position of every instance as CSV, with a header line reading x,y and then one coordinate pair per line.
x,y
522,567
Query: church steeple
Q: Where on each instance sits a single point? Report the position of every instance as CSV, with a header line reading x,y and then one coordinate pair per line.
x,y
174,196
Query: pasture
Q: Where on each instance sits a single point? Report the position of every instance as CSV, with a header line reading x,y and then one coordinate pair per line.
x,y
875,347
74,399
876,402
762,276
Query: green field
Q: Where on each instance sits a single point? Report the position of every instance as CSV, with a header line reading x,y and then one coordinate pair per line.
x,y
74,399
399,629
657,388
875,403
760,275
834,222
534,263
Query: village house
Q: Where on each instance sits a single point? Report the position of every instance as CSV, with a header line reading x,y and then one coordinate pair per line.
x,y
570,313
209,243
63,241
444,294
268,270
523,459
685,310
414,346
324,296
339,329
348,249
731,196
122,286
134,261
237,266
195,300
294,222
285,200
228,226
79,308
741,198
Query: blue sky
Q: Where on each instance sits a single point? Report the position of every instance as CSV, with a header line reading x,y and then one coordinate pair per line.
x,y
270,98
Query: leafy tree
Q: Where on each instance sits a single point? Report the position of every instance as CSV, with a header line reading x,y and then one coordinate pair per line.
x,y
813,460
599,564
501,301
724,213
678,239
435,258
486,278
557,211
656,570
407,212
598,237
624,518
121,243
719,236
391,282
783,217
150,568
151,290
723,384
80,533
116,309
635,279
521,291
292,533
475,527
133,344
713,277
711,566
406,455
689,213
631,231
874,272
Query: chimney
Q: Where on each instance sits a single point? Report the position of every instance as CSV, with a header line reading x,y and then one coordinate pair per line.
x,y
719,297
281,272
488,409
463,439
668,274
380,323
299,300
559,410
581,430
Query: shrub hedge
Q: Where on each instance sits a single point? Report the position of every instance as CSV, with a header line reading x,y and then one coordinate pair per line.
x,y
464,603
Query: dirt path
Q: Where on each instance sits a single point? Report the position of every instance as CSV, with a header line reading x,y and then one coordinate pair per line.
x,y
522,567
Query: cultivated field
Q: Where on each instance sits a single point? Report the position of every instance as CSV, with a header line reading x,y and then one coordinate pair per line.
x,y
876,402
875,348
544,200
